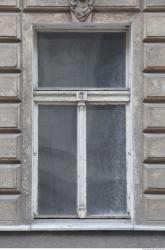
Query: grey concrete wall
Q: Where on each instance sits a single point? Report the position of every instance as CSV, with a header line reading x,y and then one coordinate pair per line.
x,y
83,239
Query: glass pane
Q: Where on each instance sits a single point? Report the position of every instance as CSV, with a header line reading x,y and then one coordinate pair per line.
x,y
81,59
106,160
57,186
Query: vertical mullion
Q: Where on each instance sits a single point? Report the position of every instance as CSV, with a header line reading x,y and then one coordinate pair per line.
x,y
81,159
35,160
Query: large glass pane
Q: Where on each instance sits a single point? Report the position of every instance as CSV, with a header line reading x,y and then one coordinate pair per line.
x,y
57,185
106,160
81,59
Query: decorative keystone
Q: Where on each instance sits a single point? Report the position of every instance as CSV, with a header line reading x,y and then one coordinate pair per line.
x,y
81,9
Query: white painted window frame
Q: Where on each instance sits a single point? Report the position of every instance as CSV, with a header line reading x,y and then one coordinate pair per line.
x,y
95,97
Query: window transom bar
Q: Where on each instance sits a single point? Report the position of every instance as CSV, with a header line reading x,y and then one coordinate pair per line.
x,y
96,97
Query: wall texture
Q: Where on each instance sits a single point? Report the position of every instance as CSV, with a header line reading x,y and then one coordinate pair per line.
x,y
84,239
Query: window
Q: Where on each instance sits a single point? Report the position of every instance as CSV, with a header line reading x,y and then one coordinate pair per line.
x,y
82,106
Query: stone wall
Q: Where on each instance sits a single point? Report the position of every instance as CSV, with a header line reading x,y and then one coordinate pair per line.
x,y
15,198
10,110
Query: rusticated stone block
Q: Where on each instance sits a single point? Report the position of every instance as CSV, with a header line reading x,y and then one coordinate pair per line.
x,y
154,145
154,5
118,3
40,4
10,116
10,56
10,86
10,4
10,177
10,26
154,57
154,206
154,176
154,115
153,24
10,146
9,205
154,85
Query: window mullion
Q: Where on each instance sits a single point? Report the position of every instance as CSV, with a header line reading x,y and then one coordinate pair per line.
x,y
81,159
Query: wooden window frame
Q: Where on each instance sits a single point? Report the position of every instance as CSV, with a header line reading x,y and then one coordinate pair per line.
x,y
79,97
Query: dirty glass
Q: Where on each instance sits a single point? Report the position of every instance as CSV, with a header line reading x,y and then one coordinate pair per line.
x,y
81,60
106,160
57,184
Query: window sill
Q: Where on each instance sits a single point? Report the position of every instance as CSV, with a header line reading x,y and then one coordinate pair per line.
x,y
80,225
87,225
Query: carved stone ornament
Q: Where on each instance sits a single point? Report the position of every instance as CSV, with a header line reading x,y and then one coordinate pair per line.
x,y
81,9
